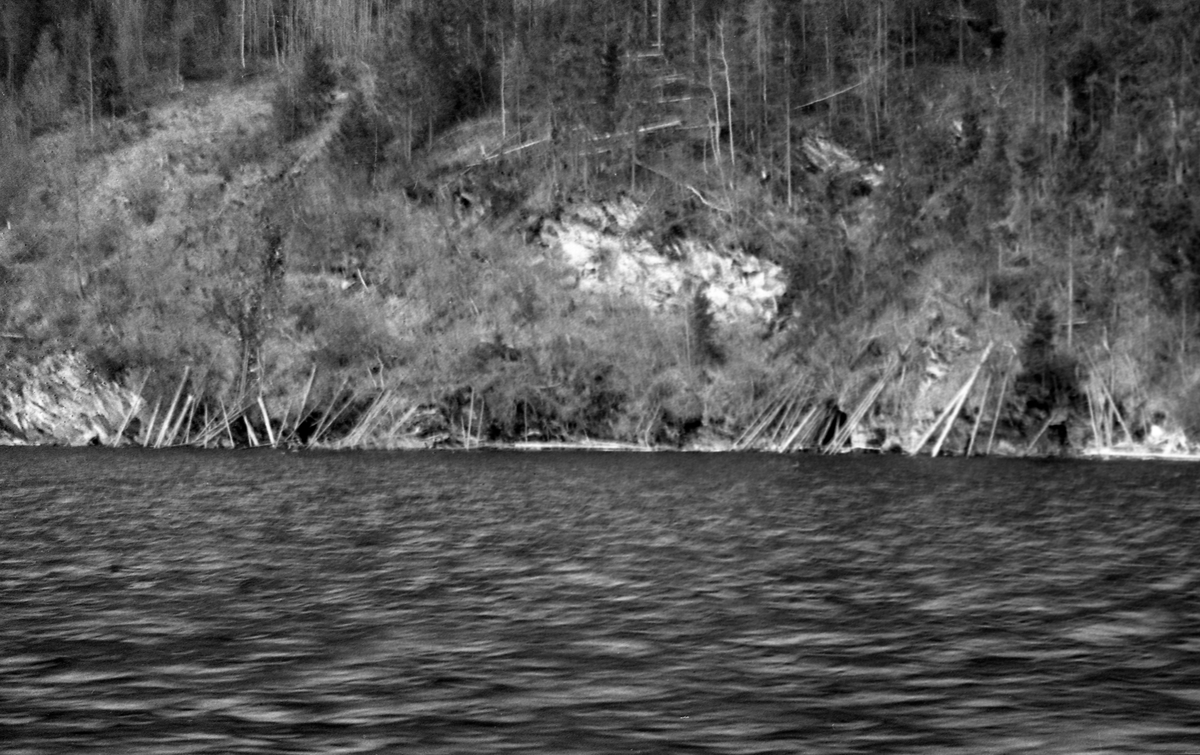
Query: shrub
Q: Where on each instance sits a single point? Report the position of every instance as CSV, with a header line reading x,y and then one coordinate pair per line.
x,y
247,149
285,112
104,239
586,391
145,195
349,335
1049,380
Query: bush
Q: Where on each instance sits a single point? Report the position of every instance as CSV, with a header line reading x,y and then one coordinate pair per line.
x,y
350,335
1049,380
144,193
249,148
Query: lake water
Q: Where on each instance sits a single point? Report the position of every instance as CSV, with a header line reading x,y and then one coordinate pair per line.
x,y
490,602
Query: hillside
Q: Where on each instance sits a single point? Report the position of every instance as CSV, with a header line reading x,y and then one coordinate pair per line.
x,y
398,321
680,236
143,249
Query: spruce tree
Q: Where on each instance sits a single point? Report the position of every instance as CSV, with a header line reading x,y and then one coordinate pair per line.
x,y
702,328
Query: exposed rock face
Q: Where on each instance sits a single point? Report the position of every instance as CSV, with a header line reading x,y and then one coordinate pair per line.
x,y
597,241
60,401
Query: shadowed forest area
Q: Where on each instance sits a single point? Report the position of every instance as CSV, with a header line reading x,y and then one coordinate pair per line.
x,y
338,221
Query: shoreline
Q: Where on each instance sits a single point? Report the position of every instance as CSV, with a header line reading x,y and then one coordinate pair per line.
x,y
60,401
1124,452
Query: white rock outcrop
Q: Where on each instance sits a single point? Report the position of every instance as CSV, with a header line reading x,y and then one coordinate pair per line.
x,y
597,241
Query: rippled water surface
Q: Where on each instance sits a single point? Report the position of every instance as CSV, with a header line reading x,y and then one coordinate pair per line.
x,y
250,602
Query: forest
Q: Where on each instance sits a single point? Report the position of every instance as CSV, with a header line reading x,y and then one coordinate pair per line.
x,y
985,212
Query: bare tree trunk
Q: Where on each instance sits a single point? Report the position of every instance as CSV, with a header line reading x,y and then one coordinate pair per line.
x,y
8,20
884,17
962,20
517,113
693,33
716,125
658,19
787,112
912,22
78,222
1070,291
829,70
728,98
271,19
503,100
91,78
762,73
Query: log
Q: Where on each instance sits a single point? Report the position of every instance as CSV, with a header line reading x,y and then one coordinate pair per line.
x,y
987,388
955,403
961,399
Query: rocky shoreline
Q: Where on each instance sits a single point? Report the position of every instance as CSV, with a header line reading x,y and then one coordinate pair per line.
x,y
59,400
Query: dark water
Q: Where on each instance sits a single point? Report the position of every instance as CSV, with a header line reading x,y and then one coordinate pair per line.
x,y
250,602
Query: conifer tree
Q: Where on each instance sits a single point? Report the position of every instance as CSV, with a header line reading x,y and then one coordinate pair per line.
x,y
703,331
44,92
